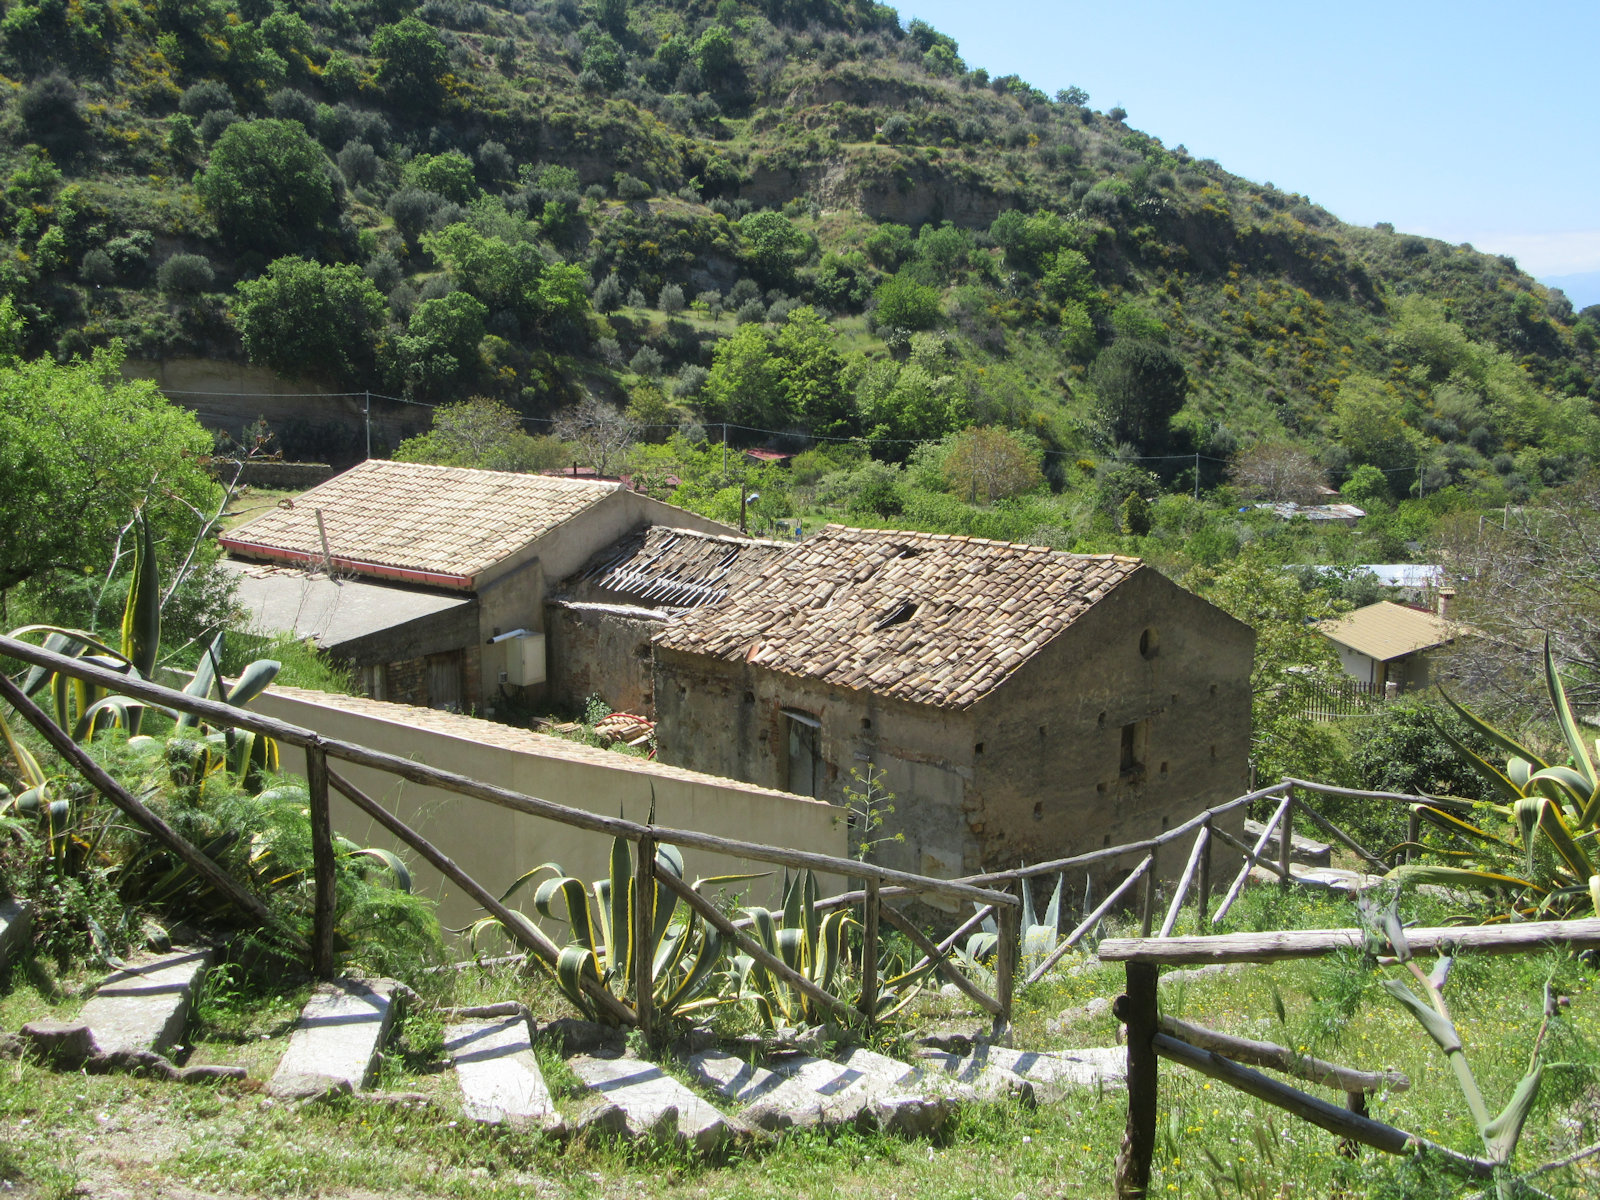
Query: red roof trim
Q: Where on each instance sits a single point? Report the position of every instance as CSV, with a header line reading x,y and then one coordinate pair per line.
x,y
439,579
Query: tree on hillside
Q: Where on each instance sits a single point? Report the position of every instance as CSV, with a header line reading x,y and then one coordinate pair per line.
x,y
991,464
601,433
483,433
1278,473
303,318
774,245
412,63
811,371
438,352
1140,386
1291,656
81,449
1367,421
745,384
1526,573
268,187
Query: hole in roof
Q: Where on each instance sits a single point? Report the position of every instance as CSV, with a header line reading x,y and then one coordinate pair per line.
x,y
898,615
908,552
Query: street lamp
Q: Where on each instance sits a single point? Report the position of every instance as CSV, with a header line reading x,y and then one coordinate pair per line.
x,y
744,501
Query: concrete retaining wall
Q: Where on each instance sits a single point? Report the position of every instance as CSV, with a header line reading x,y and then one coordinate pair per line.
x,y
495,845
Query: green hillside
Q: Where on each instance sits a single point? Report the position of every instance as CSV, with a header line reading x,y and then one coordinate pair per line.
x,y
798,218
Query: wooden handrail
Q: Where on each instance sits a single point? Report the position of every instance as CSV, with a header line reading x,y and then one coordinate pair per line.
x,y
295,735
1328,789
1313,943
1281,1058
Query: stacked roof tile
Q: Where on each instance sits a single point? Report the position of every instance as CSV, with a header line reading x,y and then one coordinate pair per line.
x,y
438,525
927,618
680,568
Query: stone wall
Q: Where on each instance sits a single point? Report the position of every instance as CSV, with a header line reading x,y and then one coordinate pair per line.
x,y
603,650
1151,673
280,476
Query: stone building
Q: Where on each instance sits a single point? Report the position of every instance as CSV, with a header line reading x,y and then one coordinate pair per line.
x,y
431,581
1020,703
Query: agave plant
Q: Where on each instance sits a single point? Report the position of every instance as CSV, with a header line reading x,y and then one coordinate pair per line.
x,y
1040,935
1538,843
685,951
1385,935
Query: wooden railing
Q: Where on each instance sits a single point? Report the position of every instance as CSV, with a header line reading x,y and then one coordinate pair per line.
x,y
322,778
1152,1037
1196,838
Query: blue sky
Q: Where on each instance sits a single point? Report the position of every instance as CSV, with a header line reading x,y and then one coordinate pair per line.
x,y
1471,122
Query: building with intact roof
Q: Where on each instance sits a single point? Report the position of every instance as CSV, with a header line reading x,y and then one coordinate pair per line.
x,y
1391,647
462,557
1021,703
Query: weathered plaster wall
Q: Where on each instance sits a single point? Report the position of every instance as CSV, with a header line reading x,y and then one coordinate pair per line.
x,y
495,845
512,594
1050,780
600,649
728,719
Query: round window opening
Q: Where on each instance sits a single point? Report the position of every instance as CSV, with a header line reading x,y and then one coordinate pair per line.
x,y
1149,643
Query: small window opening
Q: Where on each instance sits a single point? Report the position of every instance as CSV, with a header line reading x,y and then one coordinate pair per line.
x,y
866,722
978,749
749,697
898,615
1038,810
1135,746
1149,643
1101,721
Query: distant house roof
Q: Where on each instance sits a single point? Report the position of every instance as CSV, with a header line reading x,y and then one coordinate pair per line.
x,y
1416,576
285,599
1385,631
680,568
768,456
1288,510
438,526
927,618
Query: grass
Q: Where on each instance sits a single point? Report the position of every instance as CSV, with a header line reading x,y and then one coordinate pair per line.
x,y
63,1132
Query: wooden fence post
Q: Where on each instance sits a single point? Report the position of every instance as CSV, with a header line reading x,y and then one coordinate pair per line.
x,y
1286,840
1007,952
644,920
1147,916
869,951
1136,1007
322,863
1203,887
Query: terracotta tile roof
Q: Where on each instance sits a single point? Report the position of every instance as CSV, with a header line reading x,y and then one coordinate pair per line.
x,y
680,568
435,525
1385,631
928,618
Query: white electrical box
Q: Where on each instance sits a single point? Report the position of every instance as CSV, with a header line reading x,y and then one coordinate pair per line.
x,y
525,660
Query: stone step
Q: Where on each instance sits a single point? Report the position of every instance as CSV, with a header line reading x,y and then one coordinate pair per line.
x,y
16,923
1051,1074
143,1006
860,1088
335,1045
1301,849
642,1101
500,1079
1320,879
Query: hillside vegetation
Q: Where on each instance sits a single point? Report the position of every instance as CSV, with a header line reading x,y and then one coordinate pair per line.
x,y
772,222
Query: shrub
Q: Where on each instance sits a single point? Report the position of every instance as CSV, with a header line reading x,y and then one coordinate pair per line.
x,y
629,188
185,275
670,301
52,115
449,174
204,97
905,304
411,209
358,163
267,186
647,361
291,104
97,267
607,295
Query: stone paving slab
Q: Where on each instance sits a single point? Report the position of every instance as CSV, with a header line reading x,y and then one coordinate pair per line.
x,y
16,923
800,1091
335,1045
1052,1073
143,1006
500,1079
645,1102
